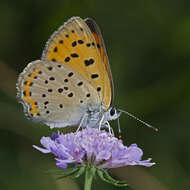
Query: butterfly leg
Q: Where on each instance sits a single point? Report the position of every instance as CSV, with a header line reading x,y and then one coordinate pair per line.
x,y
107,125
100,123
82,122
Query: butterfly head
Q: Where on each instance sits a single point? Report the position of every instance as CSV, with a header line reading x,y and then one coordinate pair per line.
x,y
112,114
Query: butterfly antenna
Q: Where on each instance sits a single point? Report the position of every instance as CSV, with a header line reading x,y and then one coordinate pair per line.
x,y
136,118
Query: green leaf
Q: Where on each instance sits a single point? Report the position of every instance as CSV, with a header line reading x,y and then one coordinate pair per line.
x,y
107,178
80,172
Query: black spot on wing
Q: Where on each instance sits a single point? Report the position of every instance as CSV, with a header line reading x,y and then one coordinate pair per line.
x,y
80,41
74,55
88,44
67,59
55,49
46,102
70,74
50,68
52,78
88,62
70,95
80,83
93,76
74,43
99,89
60,90
50,90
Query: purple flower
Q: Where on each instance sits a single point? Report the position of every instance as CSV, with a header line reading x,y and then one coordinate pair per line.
x,y
91,146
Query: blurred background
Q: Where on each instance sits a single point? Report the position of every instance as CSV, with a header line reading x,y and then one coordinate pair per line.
x,y
148,44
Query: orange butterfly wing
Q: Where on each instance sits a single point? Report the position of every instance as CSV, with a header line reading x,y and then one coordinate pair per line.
x,y
96,32
75,45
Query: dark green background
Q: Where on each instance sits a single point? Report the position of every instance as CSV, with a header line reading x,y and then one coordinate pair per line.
x,y
148,44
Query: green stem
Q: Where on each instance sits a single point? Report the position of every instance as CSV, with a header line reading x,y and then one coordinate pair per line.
x,y
90,171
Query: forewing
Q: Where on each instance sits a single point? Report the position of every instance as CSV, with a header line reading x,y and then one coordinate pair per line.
x,y
74,45
96,32
55,94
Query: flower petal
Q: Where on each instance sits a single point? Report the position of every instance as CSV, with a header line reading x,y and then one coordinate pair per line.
x,y
92,146
43,150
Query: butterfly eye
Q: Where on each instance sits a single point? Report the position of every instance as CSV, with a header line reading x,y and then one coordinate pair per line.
x,y
112,111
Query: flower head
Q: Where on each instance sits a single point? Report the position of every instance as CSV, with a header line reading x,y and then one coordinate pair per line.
x,y
93,147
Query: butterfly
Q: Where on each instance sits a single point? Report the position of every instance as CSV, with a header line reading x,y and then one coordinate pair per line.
x,y
72,82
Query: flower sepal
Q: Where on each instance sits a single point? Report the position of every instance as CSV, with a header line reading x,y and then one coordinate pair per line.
x,y
104,175
77,170
68,172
